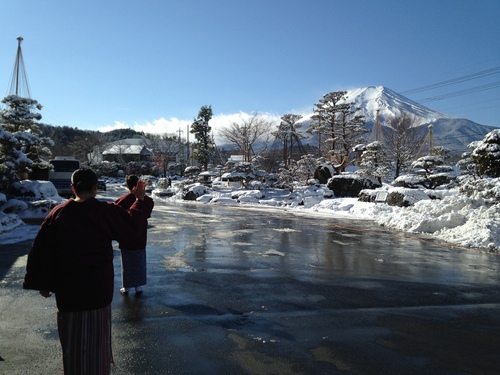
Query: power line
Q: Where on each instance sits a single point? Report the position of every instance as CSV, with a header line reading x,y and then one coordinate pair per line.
x,y
470,90
453,81
472,107
468,77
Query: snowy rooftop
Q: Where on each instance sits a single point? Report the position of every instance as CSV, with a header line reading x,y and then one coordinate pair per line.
x,y
125,149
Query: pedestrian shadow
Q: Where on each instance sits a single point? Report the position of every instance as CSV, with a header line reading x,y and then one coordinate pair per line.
x,y
234,320
10,253
134,308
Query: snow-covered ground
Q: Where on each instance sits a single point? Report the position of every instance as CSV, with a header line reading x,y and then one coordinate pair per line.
x,y
454,218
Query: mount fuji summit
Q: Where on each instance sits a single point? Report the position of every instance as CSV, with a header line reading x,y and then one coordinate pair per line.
x,y
453,133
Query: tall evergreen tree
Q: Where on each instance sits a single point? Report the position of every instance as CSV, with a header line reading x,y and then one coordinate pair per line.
x,y
319,128
326,115
19,119
289,134
350,129
12,159
306,166
374,161
337,118
486,155
205,146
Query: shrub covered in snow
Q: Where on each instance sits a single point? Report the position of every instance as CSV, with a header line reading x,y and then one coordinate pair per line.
x,y
255,194
9,222
350,185
428,172
34,190
192,192
486,155
107,168
485,188
405,197
30,200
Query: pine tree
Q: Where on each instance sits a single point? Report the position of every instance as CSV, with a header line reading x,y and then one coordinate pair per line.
x,y
318,127
306,166
19,120
288,134
12,159
205,146
339,120
374,161
430,171
326,116
486,155
351,128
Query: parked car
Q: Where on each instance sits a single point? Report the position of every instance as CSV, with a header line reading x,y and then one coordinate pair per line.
x,y
101,185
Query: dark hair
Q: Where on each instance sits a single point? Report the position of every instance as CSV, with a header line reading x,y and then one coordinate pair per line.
x,y
132,181
83,180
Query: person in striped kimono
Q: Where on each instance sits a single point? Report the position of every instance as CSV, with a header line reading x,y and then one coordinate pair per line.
x,y
72,257
133,254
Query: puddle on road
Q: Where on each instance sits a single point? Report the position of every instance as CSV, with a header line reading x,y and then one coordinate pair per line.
x,y
242,244
177,262
273,252
285,230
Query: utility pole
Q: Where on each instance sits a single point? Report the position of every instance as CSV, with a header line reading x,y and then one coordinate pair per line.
x,y
377,125
188,155
180,148
430,140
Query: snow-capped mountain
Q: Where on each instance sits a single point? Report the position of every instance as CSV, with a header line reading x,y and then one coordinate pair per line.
x,y
389,104
450,132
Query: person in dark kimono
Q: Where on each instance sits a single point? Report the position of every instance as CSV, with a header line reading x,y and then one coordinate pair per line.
x,y
72,257
133,254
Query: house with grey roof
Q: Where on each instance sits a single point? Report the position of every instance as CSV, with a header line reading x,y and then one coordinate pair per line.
x,y
126,150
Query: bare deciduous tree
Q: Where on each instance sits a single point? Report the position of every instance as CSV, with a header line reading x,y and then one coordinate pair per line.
x,y
165,149
245,134
402,138
87,147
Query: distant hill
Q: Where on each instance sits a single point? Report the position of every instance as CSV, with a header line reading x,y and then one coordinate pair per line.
x,y
66,139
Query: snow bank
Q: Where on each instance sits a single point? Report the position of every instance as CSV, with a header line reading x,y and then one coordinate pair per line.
x,y
451,216
34,201
471,220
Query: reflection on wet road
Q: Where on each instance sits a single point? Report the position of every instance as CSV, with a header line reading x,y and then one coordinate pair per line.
x,y
218,239
244,291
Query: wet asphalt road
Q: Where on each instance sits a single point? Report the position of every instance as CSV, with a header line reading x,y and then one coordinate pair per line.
x,y
243,291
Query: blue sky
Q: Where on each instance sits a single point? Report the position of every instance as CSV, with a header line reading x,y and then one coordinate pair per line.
x,y
151,64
